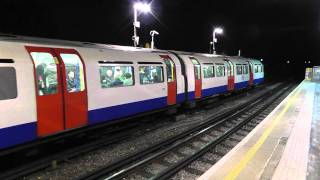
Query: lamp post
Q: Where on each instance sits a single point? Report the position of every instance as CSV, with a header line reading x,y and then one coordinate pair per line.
x,y
152,33
141,7
214,40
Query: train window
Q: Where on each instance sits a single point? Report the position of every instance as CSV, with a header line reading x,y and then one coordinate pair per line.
x,y
197,70
170,70
74,72
256,68
230,68
46,73
261,68
239,69
208,71
151,74
116,76
8,88
220,71
245,70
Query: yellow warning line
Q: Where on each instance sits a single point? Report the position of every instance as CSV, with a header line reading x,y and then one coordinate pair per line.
x,y
235,171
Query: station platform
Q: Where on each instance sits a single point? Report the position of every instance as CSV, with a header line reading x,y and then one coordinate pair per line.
x,y
285,145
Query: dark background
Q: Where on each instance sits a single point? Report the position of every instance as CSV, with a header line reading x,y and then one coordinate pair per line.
x,y
276,31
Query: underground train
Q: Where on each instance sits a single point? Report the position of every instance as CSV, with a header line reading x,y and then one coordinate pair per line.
x,y
53,86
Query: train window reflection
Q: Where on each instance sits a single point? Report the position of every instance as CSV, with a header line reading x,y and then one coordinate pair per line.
x,y
46,73
116,76
151,74
74,72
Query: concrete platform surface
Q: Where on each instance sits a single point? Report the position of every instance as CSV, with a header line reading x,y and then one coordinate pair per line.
x,y
280,146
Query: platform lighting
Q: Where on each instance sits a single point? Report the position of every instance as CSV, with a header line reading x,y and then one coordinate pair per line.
x,y
138,7
288,62
152,33
215,31
261,60
309,62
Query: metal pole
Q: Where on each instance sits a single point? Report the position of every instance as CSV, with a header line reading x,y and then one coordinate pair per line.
x,y
214,40
152,40
135,43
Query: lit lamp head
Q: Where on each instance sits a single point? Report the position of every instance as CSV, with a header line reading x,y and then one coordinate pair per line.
x,y
143,7
218,30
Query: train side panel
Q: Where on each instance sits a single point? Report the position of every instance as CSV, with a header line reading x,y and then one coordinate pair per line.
x,y
181,97
242,75
258,72
107,104
217,84
18,111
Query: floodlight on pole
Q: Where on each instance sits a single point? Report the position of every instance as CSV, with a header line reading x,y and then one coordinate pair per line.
x,y
215,31
152,33
138,7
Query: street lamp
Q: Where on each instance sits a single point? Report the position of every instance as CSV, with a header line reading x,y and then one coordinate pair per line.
x,y
152,33
215,31
142,7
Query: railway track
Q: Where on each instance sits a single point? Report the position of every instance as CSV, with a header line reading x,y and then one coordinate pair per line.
x,y
167,158
49,159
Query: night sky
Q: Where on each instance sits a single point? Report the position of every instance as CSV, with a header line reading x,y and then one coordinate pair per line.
x,y
275,30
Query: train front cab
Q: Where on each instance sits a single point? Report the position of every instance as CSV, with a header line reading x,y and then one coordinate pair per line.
x,y
61,93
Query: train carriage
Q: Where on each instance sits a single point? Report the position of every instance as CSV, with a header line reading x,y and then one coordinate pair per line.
x,y
207,74
214,74
52,86
241,73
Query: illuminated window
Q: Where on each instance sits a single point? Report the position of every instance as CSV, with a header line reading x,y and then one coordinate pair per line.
x,y
230,68
46,73
256,68
239,69
116,76
74,72
220,71
8,88
245,70
197,70
170,70
151,74
208,71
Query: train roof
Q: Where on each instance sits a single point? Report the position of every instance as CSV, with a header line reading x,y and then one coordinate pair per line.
x,y
58,42
68,43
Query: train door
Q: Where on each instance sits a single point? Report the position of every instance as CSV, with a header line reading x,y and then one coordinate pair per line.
x,y
197,76
74,83
171,79
250,74
60,93
230,69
